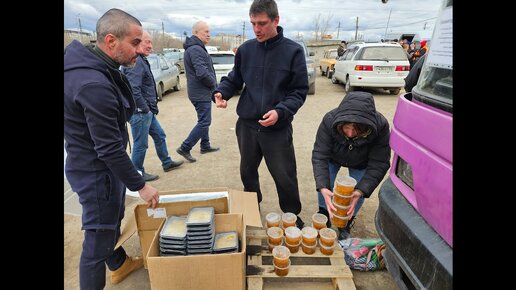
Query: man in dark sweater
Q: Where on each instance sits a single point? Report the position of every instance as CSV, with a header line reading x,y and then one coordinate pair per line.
x,y
98,102
273,69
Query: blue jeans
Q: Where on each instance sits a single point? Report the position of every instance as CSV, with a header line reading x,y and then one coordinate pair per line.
x,y
333,169
143,125
201,129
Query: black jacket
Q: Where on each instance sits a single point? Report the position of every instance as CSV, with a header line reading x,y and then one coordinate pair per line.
x,y
372,152
143,84
275,77
97,104
200,74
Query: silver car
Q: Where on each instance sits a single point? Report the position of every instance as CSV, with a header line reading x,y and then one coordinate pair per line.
x,y
165,75
176,58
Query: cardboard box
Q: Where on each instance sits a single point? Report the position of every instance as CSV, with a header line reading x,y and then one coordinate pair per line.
x,y
245,203
206,271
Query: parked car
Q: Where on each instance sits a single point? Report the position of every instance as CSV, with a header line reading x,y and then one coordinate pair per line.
x,y
380,65
415,211
176,58
327,62
223,62
165,75
310,67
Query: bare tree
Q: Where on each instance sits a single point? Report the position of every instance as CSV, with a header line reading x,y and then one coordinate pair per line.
x,y
321,25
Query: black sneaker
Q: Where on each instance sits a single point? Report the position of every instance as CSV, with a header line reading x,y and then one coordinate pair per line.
x,y
300,223
149,177
344,234
173,165
324,211
186,155
211,149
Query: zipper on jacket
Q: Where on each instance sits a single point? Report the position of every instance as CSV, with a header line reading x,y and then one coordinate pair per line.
x,y
263,73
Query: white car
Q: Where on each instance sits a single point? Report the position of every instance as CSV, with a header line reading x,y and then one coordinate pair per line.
x,y
223,62
379,65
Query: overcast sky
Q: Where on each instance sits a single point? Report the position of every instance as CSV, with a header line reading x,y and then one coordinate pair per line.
x,y
297,17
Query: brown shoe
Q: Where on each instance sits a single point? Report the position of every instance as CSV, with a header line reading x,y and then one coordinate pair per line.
x,y
130,264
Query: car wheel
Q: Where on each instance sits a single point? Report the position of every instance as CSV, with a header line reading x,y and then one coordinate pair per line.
x,y
348,87
322,71
394,91
329,74
177,87
160,92
311,89
178,68
333,79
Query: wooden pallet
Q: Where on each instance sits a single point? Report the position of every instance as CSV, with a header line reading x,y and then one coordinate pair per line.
x,y
256,272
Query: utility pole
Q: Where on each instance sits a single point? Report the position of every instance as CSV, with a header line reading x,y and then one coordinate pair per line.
x,y
388,20
424,28
356,29
338,30
80,26
243,31
162,28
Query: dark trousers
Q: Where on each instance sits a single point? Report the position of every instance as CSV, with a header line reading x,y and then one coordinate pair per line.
x,y
97,251
102,197
278,150
201,129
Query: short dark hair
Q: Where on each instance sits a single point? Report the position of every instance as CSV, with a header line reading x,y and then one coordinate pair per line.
x,y
116,22
267,6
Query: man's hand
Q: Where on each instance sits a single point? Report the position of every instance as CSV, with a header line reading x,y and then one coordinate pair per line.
x,y
270,118
219,101
150,195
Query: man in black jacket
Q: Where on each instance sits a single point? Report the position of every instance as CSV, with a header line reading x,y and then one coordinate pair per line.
x,y
97,104
274,71
356,136
201,81
144,121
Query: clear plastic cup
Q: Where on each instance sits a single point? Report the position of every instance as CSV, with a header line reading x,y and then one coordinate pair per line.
x,y
281,271
327,237
339,221
343,200
345,184
309,236
288,219
281,256
275,235
308,249
292,235
273,219
341,210
293,248
327,250
271,246
319,221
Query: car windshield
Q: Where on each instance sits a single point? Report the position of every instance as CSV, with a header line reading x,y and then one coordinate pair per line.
x,y
383,53
223,58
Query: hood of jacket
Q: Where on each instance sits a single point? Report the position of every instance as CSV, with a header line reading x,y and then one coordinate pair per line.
x,y
357,107
193,40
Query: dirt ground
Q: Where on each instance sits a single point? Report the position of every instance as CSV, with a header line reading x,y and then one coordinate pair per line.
x,y
221,169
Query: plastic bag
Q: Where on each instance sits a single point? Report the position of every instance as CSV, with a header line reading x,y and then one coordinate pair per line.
x,y
363,254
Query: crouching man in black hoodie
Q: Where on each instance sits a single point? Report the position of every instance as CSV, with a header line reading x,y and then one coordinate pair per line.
x,y
356,136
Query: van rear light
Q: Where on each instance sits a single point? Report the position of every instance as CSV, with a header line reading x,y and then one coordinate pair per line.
x,y
404,172
402,68
364,67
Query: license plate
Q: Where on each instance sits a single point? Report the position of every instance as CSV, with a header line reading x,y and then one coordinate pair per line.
x,y
383,68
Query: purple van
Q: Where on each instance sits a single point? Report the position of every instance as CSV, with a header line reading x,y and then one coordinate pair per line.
x,y
415,212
